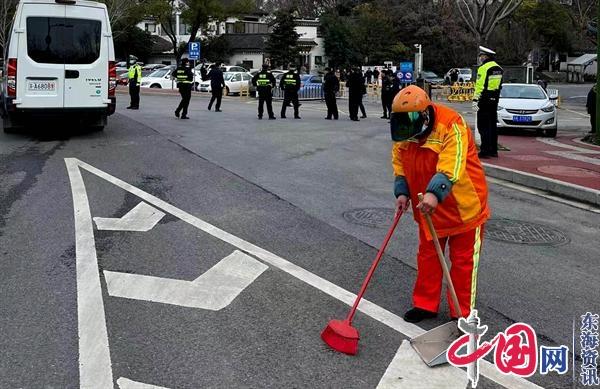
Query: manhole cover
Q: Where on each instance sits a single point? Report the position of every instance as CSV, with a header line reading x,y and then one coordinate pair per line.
x,y
569,171
520,232
370,217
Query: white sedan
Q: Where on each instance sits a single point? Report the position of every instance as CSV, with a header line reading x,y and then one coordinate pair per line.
x,y
233,82
162,79
527,106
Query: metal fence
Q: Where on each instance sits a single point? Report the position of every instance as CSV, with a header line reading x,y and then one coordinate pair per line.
x,y
309,92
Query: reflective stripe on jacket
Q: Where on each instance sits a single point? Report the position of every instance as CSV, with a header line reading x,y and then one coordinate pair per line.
x,y
449,149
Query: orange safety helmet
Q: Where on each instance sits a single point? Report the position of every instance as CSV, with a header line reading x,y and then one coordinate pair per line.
x,y
411,99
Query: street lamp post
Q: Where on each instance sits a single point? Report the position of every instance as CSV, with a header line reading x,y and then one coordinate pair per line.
x,y
419,60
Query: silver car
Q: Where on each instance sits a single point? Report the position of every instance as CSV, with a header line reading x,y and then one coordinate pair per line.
x,y
527,106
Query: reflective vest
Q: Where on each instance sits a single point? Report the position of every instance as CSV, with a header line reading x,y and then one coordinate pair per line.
x,y
449,149
289,80
184,76
133,69
263,80
489,82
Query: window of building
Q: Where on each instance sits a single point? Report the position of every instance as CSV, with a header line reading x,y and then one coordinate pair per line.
x,y
151,28
318,60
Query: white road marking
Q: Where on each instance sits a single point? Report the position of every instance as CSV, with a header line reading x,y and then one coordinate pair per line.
x,y
125,383
575,112
407,371
376,312
574,154
543,194
213,290
94,356
142,217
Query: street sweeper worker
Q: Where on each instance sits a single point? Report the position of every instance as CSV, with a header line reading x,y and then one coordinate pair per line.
x,y
434,153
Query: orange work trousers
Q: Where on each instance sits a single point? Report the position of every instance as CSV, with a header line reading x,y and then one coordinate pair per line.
x,y
464,256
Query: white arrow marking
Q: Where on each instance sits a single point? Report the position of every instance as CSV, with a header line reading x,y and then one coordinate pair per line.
x,y
213,290
407,370
376,312
142,217
125,383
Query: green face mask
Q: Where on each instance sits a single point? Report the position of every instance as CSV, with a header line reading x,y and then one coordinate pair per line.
x,y
406,125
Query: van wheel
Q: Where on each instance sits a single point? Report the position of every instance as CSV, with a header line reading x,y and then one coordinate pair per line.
x,y
155,86
8,126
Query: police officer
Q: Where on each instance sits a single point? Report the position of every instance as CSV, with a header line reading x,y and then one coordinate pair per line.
x,y
290,83
217,84
485,101
264,81
387,95
134,75
355,91
331,85
185,81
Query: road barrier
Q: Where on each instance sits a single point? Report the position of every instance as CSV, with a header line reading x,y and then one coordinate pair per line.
x,y
461,91
245,92
309,92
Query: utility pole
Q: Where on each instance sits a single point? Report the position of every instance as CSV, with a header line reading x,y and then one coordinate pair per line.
x,y
177,15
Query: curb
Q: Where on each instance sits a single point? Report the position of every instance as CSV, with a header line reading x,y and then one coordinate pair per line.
x,y
572,191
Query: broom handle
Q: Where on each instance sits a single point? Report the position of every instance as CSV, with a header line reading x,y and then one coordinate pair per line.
x,y
442,259
363,288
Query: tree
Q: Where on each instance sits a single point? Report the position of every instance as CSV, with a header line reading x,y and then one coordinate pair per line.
x,y
124,13
338,41
216,49
196,14
133,40
482,16
7,11
282,45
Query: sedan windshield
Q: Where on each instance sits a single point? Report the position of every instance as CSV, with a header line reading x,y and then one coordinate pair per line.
x,y
522,92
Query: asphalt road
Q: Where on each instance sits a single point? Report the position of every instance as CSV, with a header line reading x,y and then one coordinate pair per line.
x,y
310,193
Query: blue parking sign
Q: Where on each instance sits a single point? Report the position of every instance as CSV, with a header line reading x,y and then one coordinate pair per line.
x,y
194,50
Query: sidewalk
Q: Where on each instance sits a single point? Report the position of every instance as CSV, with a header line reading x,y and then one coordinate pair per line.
x,y
562,165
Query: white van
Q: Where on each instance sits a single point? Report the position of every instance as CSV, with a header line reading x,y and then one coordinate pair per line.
x,y
60,62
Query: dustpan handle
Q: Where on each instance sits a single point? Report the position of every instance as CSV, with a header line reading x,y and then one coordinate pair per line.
x,y
363,288
440,254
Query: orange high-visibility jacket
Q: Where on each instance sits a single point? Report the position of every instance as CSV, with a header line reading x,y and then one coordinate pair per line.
x,y
449,149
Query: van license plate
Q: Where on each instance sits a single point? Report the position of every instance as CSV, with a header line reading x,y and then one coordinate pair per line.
x,y
41,86
522,119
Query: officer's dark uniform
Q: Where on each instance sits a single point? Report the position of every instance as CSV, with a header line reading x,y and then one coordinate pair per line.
x,y
264,81
355,92
486,96
185,80
331,85
290,83
387,96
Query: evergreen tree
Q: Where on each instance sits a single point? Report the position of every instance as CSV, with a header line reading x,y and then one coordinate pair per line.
x,y
282,45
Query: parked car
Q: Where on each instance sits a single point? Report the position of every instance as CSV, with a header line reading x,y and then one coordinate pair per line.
x,y
60,61
161,79
123,77
431,77
464,75
311,84
527,106
233,82
153,66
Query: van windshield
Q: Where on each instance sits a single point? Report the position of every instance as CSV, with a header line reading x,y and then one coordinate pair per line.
x,y
63,40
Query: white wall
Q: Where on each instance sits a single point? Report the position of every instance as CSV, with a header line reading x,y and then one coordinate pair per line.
x,y
306,32
240,58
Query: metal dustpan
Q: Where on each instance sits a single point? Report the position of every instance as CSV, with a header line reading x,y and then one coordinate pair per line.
x,y
432,345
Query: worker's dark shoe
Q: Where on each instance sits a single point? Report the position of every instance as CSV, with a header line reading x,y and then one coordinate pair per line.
x,y
297,117
218,110
283,117
383,117
185,117
355,119
416,315
272,118
260,118
134,108
363,117
495,155
482,155
129,107
327,118
177,113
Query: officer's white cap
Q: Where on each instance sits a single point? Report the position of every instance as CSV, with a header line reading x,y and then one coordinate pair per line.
x,y
485,50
